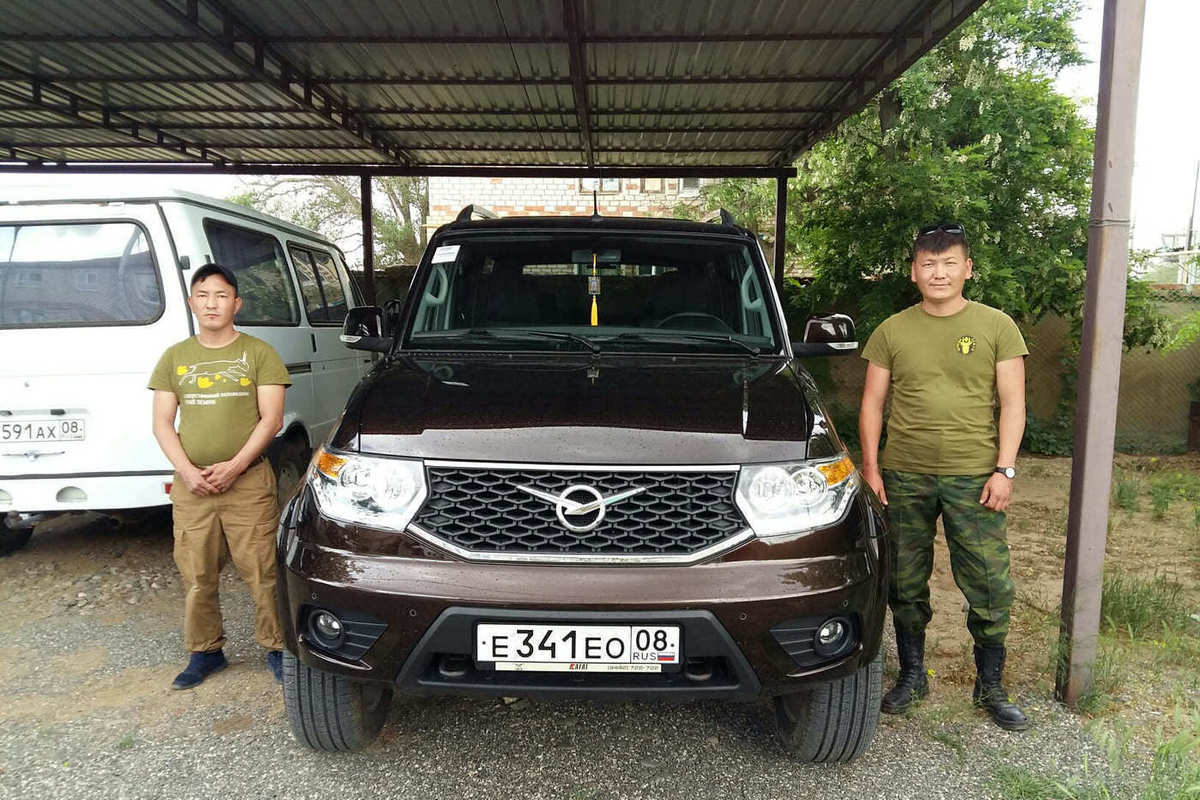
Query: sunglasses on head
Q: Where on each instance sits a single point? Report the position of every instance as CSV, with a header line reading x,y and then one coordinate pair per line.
x,y
952,228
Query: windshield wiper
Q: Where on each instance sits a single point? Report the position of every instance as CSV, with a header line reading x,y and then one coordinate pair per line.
x,y
676,335
515,333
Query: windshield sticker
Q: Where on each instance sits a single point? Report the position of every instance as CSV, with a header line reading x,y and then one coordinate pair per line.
x,y
447,253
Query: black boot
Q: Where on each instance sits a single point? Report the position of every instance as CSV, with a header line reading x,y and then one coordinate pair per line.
x,y
989,691
911,685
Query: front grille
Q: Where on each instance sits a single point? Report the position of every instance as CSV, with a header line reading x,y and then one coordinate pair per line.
x,y
483,511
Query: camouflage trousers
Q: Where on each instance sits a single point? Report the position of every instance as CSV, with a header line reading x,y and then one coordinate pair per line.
x,y
975,536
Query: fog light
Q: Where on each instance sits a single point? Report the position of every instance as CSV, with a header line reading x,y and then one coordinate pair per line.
x,y
832,637
326,629
831,633
329,626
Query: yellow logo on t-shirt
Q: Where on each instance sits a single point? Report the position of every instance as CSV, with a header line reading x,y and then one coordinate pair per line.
x,y
965,345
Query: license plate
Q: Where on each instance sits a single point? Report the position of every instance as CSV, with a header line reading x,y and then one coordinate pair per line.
x,y
57,429
571,648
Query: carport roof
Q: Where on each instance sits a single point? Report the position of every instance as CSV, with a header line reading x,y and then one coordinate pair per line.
x,y
435,87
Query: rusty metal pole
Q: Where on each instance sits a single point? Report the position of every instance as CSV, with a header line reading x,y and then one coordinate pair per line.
x,y
780,230
368,241
1100,347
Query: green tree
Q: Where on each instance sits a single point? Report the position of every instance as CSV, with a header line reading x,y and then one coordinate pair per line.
x,y
973,132
331,205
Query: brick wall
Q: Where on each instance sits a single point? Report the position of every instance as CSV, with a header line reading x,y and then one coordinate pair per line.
x,y
549,196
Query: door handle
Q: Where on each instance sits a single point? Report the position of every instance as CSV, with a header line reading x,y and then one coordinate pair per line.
x,y
313,337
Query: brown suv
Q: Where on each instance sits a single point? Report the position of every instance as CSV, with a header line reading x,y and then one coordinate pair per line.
x,y
588,466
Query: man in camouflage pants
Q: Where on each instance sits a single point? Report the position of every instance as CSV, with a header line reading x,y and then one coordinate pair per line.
x,y
945,361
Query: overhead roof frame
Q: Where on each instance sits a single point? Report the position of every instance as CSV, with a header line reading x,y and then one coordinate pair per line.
x,y
622,90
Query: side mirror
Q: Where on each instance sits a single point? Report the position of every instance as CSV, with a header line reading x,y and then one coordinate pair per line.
x,y
827,335
363,330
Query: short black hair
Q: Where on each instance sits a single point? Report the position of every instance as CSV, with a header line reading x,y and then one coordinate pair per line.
x,y
939,241
210,269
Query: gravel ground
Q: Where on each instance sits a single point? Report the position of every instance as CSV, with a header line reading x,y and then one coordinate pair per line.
x,y
90,640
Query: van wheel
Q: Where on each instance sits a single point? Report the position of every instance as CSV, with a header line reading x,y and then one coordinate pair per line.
x,y
832,721
331,712
289,464
12,539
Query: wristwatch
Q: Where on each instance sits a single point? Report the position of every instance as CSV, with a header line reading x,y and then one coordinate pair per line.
x,y
1008,472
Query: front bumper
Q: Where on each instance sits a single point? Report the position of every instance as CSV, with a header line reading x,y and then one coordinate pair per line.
x,y
424,608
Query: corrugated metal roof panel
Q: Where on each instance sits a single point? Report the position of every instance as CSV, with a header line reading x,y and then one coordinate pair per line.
x,y
476,82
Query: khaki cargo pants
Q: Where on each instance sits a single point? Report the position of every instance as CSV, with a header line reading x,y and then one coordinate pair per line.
x,y
238,523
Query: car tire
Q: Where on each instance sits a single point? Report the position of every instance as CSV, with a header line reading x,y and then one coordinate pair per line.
x,y
290,464
13,539
331,712
834,721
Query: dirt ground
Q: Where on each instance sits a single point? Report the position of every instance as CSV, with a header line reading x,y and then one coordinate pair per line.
x,y
90,639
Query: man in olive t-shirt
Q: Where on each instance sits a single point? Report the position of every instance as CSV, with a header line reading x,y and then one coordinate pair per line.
x,y
946,360
229,390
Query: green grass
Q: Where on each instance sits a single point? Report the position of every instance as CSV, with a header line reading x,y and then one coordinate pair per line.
x,y
1108,678
1142,607
1160,499
125,742
1125,495
1174,774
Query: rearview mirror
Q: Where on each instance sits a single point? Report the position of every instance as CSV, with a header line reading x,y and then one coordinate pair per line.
x,y
827,335
363,330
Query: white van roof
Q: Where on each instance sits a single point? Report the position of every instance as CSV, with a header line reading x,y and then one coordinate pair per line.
x,y
32,194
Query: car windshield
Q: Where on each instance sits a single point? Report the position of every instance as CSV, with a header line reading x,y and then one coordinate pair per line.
x,y
588,292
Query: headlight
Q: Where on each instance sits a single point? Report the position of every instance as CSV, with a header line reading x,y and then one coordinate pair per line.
x,y
364,490
779,499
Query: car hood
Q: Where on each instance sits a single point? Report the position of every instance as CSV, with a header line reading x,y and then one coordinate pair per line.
x,y
504,407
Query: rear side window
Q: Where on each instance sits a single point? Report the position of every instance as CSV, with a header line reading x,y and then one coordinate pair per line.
x,y
324,297
77,274
263,280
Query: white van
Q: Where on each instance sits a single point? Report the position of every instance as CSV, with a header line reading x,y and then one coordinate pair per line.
x,y
91,293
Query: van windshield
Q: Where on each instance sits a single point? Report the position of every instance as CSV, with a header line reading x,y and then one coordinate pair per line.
x,y
610,292
77,274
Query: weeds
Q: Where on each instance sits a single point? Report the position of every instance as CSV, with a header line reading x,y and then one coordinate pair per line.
x,y
1174,773
1160,499
1139,607
1126,495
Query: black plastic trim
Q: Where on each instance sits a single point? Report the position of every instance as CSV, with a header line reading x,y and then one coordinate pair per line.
x,y
701,636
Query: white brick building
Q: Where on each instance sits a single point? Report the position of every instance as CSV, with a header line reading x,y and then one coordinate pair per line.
x,y
617,197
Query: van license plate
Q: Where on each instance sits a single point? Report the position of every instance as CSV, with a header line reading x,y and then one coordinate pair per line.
x,y
570,648
58,429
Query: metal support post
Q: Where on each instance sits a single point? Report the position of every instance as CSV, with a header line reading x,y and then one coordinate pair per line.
x,y
780,230
1100,347
368,242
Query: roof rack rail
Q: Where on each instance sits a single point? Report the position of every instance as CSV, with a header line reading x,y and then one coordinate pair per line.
x,y
725,218
474,210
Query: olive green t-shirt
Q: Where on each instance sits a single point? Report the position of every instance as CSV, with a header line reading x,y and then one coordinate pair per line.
x,y
943,386
217,389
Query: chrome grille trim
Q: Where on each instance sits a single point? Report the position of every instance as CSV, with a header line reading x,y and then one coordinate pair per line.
x,y
476,511
585,559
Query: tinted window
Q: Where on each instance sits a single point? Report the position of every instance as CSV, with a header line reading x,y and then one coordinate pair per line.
x,y
263,281
324,298
77,274
648,285
314,303
331,285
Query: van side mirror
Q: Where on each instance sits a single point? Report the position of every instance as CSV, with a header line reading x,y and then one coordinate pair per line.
x,y
827,335
363,330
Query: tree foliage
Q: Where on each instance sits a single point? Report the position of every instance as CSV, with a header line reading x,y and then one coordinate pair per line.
x,y
331,205
973,132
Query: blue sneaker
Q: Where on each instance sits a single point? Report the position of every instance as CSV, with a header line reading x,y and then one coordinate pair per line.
x,y
199,667
275,662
